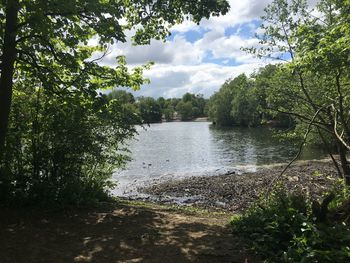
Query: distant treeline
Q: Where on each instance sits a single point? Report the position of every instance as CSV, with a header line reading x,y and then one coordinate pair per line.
x,y
151,110
245,101
242,101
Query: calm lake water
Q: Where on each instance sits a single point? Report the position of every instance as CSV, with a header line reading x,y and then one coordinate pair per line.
x,y
181,149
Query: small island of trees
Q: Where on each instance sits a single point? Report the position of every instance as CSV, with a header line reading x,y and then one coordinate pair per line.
x,y
150,110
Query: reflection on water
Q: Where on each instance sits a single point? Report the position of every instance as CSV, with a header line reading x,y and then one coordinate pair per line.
x,y
182,149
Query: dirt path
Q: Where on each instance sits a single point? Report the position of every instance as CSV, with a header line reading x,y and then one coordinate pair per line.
x,y
116,233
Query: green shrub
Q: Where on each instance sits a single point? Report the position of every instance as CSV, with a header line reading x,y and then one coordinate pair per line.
x,y
62,146
284,229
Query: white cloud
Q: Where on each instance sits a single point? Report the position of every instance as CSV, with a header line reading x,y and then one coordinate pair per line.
x,y
182,65
228,47
178,51
240,12
173,81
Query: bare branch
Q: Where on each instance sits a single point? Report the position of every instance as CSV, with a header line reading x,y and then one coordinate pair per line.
x,y
321,125
339,137
335,163
298,154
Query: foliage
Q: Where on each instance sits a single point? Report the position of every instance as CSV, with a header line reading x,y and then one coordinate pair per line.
x,y
150,110
169,113
169,108
129,103
122,96
189,107
185,109
244,101
63,149
284,229
312,86
64,138
219,106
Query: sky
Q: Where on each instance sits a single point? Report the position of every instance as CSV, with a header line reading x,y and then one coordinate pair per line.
x,y
199,58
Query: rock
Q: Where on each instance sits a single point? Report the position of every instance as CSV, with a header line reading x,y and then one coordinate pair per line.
x,y
293,179
237,192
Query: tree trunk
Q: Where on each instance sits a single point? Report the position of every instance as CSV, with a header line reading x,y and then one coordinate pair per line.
x,y
7,68
344,163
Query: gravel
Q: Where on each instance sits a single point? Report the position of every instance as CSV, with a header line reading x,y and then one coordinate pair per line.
x,y
235,192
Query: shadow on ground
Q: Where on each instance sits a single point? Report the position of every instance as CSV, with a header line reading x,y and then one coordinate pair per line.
x,y
115,233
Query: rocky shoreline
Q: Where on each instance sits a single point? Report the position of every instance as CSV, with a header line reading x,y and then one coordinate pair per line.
x,y
235,192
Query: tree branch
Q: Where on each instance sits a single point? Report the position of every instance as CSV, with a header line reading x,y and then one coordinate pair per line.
x,y
330,153
297,155
336,130
323,126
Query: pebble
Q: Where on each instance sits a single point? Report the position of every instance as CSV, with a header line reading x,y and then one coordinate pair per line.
x,y
235,193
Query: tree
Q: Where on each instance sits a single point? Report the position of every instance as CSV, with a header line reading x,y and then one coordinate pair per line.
x,y
169,113
188,97
220,105
122,96
198,103
314,82
265,82
63,147
185,109
244,103
150,110
201,105
161,102
236,103
127,100
39,37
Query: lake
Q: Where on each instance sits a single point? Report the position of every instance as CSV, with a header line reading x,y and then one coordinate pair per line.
x,y
180,149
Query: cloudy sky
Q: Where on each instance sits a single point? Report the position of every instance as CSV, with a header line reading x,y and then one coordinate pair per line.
x,y
199,58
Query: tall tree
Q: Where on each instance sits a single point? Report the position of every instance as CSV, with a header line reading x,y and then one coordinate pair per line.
x,y
42,37
185,109
313,85
220,105
150,110
7,66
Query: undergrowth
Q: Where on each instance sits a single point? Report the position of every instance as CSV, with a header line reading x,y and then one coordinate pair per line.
x,y
288,227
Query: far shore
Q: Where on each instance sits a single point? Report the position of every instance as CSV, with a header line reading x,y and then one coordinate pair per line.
x,y
236,192
200,119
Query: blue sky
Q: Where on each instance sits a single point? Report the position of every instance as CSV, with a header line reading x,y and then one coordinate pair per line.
x,y
199,58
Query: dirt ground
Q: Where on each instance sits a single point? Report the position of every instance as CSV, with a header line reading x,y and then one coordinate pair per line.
x,y
122,232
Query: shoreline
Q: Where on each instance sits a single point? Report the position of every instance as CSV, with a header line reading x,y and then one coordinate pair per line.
x,y
235,192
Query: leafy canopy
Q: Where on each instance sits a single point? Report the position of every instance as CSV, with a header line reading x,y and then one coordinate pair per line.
x,y
57,34
63,137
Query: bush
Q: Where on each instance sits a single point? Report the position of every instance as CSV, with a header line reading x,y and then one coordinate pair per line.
x,y
62,146
284,229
